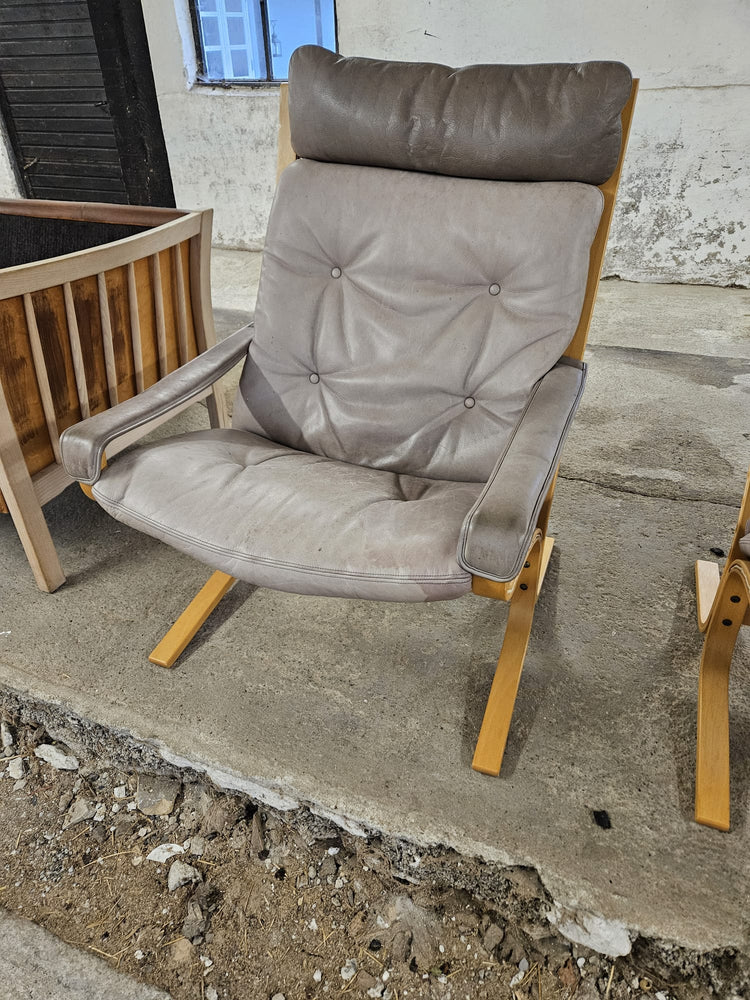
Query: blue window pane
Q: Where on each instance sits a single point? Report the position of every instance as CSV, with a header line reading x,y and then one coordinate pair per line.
x,y
214,65
240,64
210,29
236,30
232,35
298,22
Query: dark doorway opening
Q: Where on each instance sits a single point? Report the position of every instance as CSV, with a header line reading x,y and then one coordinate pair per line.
x,y
78,98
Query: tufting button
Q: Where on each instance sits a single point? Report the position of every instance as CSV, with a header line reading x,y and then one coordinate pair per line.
x,y
335,272
314,378
469,402
494,289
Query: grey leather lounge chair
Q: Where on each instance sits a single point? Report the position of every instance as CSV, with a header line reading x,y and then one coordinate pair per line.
x,y
428,279
723,601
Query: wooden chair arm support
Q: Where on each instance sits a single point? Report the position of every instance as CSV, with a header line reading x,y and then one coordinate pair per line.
x,y
83,444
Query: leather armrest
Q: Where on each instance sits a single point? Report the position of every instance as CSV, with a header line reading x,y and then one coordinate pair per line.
x,y
497,531
83,444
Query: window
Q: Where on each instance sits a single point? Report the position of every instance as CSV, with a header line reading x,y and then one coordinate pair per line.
x,y
253,39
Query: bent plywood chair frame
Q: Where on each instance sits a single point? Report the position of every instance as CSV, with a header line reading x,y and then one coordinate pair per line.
x,y
83,331
723,605
522,592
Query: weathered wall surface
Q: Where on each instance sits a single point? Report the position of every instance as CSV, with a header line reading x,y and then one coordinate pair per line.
x,y
685,195
9,187
683,208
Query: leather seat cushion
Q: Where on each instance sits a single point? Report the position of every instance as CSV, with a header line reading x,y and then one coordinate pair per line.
x,y
294,521
745,542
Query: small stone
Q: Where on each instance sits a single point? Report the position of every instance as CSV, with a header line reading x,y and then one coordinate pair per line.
x,y
101,812
156,795
523,965
82,809
163,852
136,860
493,936
581,962
349,970
6,735
366,982
211,993
15,768
121,792
138,955
257,840
182,952
376,991
197,846
318,975
195,922
18,785
278,996
132,806
64,801
57,758
180,874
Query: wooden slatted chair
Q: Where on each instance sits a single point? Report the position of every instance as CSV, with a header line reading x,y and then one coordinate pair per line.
x,y
428,282
723,603
97,303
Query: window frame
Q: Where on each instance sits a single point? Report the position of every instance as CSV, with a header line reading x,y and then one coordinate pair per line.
x,y
204,81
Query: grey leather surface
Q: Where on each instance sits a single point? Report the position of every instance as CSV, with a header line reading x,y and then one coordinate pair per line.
x,y
539,122
745,542
83,444
403,319
293,521
497,532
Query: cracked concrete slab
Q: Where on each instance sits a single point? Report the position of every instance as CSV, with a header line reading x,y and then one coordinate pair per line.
x,y
35,964
368,712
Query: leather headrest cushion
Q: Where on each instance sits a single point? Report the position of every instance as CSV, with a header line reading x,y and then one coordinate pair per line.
x,y
541,122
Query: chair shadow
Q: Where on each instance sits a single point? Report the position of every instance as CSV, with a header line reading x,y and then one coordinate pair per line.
x,y
533,681
227,607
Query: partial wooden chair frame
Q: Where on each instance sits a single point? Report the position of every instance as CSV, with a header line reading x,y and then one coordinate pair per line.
x,y
723,603
150,296
522,592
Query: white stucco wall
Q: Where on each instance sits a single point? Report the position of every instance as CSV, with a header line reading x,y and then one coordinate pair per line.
x,y
9,187
684,200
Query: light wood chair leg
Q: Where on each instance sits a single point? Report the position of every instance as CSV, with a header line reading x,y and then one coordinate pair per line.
x,y
191,619
707,578
25,510
493,735
712,751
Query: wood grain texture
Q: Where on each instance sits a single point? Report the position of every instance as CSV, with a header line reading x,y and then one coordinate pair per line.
x,y
712,799
577,345
191,619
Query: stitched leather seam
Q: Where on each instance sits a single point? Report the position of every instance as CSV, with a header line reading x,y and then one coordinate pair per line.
x,y
279,563
542,492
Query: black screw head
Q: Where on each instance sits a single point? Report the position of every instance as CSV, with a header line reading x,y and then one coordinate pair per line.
x,y
727,621
526,565
734,599
524,586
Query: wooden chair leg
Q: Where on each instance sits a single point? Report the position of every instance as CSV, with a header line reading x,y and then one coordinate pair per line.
x,y
25,510
712,750
707,578
191,619
493,735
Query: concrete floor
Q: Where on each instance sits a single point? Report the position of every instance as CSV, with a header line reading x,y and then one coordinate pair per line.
x,y
369,711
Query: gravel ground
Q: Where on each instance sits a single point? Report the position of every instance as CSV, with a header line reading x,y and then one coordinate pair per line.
x,y
207,894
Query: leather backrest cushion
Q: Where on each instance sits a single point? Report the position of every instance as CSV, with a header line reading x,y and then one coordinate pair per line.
x,y
402,319
557,121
